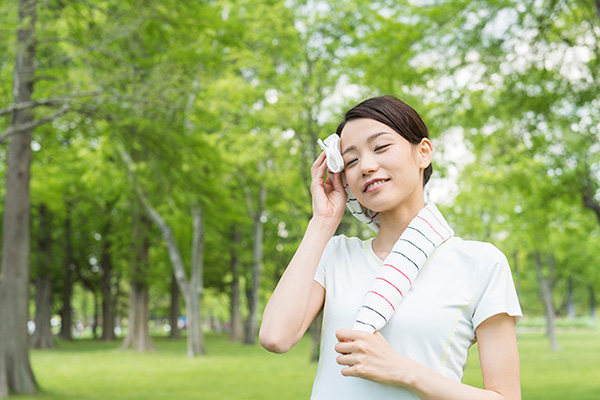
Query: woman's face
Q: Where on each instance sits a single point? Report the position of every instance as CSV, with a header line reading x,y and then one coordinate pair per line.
x,y
382,168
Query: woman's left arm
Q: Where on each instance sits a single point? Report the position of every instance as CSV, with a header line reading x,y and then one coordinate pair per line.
x,y
370,356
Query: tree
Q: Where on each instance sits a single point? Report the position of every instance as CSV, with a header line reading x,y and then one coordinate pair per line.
x,y
43,338
16,375
138,335
191,288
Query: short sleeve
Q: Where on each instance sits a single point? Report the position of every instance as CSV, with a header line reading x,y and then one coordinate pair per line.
x,y
321,273
496,293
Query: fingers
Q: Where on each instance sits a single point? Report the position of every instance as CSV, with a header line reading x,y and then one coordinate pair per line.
x,y
350,334
344,347
319,168
337,181
366,355
353,350
350,341
350,371
319,162
346,359
353,367
328,183
320,158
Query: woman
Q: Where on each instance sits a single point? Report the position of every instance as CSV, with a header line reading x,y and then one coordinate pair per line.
x,y
464,292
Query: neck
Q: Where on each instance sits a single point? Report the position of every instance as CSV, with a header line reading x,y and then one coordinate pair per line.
x,y
393,223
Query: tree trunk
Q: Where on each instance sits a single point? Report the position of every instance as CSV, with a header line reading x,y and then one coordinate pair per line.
x,y
195,337
108,316
192,290
138,334
96,316
174,311
16,375
237,324
545,285
570,300
592,302
42,337
588,198
67,290
252,323
194,305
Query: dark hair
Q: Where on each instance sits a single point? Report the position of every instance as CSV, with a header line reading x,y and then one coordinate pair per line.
x,y
397,115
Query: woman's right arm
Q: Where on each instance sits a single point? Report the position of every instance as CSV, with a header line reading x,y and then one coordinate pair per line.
x,y
298,299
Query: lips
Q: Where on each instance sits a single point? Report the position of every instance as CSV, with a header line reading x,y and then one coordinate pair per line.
x,y
373,183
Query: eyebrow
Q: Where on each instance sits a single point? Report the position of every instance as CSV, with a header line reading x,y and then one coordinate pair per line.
x,y
369,140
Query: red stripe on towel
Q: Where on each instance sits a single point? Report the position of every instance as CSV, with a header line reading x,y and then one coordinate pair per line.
x,y
436,218
385,280
383,297
390,265
427,222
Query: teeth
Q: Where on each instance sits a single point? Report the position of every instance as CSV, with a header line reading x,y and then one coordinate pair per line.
x,y
375,184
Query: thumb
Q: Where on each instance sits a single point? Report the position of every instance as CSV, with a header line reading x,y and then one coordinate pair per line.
x,y
337,181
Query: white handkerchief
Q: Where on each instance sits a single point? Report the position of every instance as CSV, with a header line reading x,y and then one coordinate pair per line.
x,y
333,151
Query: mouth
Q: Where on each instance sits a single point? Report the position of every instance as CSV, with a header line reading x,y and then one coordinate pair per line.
x,y
373,184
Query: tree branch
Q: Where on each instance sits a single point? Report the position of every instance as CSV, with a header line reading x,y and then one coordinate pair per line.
x,y
167,233
197,248
19,128
49,101
590,203
588,190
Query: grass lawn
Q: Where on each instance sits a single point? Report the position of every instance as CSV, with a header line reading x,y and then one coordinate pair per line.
x,y
88,370
573,373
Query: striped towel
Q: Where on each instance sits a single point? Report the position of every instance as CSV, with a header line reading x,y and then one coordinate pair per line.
x,y
423,235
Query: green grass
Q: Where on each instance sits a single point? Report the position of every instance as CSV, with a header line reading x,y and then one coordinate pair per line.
x,y
572,373
88,370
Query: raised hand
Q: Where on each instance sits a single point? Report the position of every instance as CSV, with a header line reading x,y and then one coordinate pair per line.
x,y
328,195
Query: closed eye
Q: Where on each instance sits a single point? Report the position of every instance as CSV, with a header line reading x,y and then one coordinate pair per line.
x,y
379,148
349,163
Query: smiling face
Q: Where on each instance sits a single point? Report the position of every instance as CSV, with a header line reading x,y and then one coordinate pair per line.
x,y
383,169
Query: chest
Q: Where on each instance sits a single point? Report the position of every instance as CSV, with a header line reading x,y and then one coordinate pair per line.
x,y
436,311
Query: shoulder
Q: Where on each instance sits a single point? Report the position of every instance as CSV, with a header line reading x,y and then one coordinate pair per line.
x,y
344,243
342,248
474,252
485,263
492,281
474,259
341,254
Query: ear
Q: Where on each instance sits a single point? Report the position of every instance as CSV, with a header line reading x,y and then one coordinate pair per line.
x,y
425,149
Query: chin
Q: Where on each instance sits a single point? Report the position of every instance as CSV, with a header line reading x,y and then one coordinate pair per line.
x,y
390,206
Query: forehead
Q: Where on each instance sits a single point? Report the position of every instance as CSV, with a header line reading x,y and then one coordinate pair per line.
x,y
358,131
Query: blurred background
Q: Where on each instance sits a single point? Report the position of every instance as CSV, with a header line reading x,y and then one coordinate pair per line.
x,y
155,169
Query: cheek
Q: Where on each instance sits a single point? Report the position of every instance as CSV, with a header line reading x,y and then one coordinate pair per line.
x,y
411,163
352,179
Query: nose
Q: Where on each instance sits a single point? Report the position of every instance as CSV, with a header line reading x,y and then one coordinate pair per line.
x,y
368,165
